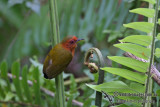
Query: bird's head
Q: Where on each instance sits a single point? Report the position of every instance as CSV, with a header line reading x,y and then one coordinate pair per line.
x,y
70,43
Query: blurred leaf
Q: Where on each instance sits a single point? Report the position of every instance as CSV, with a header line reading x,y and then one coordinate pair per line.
x,y
73,84
15,72
136,50
87,102
25,84
86,47
157,53
150,1
144,11
4,71
13,2
10,14
94,106
36,86
36,64
34,5
87,72
2,90
9,96
130,75
114,35
142,26
116,88
158,92
69,102
143,40
122,105
129,62
158,36
159,21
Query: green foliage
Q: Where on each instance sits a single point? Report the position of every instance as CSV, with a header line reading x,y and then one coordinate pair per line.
x,y
138,39
144,11
141,26
132,63
158,36
25,84
133,76
137,50
25,31
157,53
16,72
31,32
36,86
159,21
138,45
4,70
116,86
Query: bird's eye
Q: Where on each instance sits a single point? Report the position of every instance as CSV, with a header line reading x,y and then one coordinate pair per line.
x,y
71,41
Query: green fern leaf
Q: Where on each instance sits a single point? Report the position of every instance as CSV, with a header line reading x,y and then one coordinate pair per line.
x,y
142,26
144,11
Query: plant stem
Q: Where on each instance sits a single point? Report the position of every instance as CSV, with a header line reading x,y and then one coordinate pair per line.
x,y
98,99
56,39
151,61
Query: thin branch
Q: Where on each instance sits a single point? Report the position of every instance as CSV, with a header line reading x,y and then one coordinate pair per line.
x,y
109,98
19,103
48,92
155,74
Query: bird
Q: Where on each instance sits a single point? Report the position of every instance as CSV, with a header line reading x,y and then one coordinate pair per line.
x,y
59,57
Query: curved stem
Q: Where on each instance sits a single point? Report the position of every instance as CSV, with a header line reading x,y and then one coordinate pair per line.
x,y
98,99
56,39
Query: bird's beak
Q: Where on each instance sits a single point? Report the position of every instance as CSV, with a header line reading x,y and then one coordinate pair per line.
x,y
79,40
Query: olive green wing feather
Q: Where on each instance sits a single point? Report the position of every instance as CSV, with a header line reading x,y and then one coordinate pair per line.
x,y
56,61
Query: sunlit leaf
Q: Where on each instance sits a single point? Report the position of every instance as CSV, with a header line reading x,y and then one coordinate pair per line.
x,y
112,87
143,40
137,50
139,87
132,63
159,21
9,96
157,53
142,26
116,88
158,92
158,36
121,105
130,75
34,5
144,11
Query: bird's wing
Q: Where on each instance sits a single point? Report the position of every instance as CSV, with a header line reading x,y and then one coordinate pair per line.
x,y
58,59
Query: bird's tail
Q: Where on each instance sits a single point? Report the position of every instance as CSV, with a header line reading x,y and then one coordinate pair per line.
x,y
45,75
